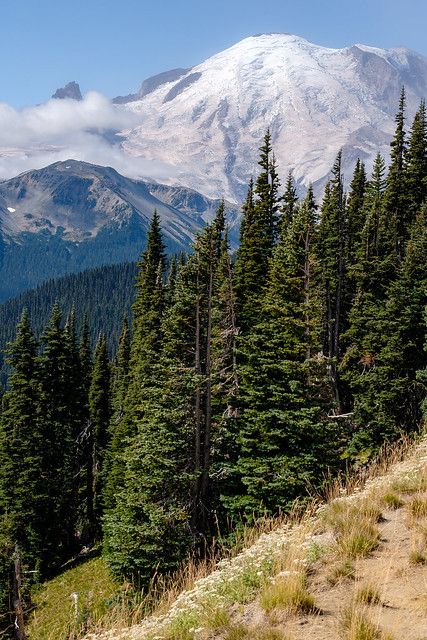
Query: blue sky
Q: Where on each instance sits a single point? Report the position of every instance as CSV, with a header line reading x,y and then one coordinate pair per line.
x,y
112,45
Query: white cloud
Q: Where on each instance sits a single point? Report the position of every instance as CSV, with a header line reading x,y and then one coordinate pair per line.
x,y
61,129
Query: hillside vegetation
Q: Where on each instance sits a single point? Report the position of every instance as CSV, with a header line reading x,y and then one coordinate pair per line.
x,y
352,568
243,384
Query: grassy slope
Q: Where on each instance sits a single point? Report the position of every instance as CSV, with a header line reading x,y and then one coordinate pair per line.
x,y
58,615
349,570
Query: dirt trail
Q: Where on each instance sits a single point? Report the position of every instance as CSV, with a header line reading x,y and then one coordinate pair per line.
x,y
403,588
402,585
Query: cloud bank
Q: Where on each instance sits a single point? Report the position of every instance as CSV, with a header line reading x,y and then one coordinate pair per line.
x,y
34,137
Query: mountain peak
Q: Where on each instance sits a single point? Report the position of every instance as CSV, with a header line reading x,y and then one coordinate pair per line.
x,y
71,90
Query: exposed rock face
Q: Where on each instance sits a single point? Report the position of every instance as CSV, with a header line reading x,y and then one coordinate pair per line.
x,y
71,90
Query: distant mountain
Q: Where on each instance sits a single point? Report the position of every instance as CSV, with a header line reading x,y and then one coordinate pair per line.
x,y
71,90
73,215
208,121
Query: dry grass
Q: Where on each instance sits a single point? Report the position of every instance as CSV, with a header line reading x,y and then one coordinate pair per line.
x,y
356,625
341,570
367,594
290,593
359,541
418,557
391,500
417,507
243,632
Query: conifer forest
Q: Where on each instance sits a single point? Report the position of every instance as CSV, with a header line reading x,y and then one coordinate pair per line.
x,y
239,382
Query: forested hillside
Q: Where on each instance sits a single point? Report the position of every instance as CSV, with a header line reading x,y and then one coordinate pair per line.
x,y
244,383
104,294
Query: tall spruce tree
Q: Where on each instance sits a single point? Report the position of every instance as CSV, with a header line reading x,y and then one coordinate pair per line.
x,y
58,432
257,238
145,346
283,436
395,197
113,468
416,163
384,375
99,417
163,508
24,493
332,254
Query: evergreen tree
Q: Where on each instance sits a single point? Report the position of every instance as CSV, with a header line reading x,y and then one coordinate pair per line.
x,y
58,431
416,163
258,235
23,490
114,467
283,436
290,200
332,253
162,510
144,350
99,416
395,197
385,363
355,213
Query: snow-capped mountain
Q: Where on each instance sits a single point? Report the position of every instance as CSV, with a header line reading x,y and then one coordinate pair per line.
x,y
207,122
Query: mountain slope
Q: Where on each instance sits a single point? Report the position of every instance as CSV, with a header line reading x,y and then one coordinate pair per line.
x,y
73,215
291,582
104,294
232,601
209,122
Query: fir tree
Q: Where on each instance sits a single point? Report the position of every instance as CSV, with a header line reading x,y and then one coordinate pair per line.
x,y
332,253
162,510
99,416
283,436
58,431
120,381
258,235
23,489
416,163
290,200
395,197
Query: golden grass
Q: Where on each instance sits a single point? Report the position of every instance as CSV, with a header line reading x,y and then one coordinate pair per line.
x,y
367,594
356,625
359,541
341,570
243,632
417,507
290,593
391,500
418,557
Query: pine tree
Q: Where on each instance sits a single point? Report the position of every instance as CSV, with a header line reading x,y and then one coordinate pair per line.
x,y
146,341
23,489
283,436
114,467
290,200
99,416
257,238
383,378
355,213
395,198
58,431
162,510
416,163
332,253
